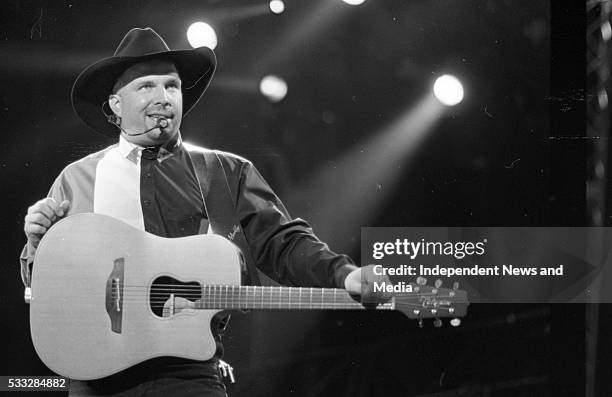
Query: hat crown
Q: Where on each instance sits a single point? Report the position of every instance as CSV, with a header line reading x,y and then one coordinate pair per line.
x,y
138,42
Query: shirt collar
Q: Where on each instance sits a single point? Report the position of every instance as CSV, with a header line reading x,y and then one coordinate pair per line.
x,y
133,152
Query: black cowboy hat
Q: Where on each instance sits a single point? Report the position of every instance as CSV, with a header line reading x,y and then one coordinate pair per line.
x,y
93,86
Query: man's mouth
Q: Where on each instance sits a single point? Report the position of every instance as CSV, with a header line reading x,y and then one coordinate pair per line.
x,y
156,117
159,115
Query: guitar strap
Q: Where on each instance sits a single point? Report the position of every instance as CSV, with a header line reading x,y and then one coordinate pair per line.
x,y
219,206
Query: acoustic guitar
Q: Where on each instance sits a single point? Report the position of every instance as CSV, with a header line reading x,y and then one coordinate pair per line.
x,y
106,296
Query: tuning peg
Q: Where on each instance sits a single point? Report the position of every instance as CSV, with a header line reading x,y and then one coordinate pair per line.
x,y
420,323
455,288
455,322
437,323
437,284
421,280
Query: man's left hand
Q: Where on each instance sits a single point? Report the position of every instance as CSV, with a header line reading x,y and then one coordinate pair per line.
x,y
361,282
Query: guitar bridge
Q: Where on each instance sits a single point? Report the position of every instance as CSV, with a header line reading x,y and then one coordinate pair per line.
x,y
114,295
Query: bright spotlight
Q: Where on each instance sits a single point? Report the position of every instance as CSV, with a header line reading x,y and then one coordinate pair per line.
x,y
354,2
606,31
201,34
273,87
448,90
277,6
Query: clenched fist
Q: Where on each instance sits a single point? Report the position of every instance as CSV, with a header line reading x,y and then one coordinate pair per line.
x,y
361,281
41,216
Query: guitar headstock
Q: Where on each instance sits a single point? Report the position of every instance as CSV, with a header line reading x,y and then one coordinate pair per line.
x,y
427,301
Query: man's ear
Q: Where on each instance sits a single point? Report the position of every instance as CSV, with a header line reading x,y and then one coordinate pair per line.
x,y
114,102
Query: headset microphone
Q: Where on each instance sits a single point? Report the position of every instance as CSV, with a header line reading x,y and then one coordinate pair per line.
x,y
161,123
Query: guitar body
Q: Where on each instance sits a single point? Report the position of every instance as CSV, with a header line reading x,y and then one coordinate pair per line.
x,y
87,263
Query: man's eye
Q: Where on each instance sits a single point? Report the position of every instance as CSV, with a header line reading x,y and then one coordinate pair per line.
x,y
146,86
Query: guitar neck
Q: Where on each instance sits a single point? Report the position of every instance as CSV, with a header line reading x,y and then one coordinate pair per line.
x,y
252,297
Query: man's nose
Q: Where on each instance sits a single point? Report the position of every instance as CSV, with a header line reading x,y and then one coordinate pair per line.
x,y
161,96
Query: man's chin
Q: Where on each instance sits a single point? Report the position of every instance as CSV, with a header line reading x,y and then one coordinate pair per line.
x,y
159,135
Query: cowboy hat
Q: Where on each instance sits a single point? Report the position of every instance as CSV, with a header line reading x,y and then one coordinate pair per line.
x,y
93,86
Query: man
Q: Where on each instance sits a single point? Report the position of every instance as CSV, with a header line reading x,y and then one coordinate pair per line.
x,y
150,181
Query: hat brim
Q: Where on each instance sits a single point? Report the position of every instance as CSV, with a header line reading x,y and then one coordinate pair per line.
x,y
93,86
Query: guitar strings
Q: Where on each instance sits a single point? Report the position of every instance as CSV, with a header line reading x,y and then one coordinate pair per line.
x,y
259,293
235,294
285,295
279,306
231,301
257,289
226,296
356,305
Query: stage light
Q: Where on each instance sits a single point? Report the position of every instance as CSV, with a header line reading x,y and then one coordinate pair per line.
x,y
273,87
379,160
201,34
606,31
277,6
602,99
354,2
448,90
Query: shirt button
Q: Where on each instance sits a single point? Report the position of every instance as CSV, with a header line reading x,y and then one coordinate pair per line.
x,y
147,174
147,202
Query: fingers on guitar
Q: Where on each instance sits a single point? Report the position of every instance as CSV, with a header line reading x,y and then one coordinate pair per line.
x,y
34,230
38,219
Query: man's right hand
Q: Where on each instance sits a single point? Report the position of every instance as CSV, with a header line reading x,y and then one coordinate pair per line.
x,y
41,216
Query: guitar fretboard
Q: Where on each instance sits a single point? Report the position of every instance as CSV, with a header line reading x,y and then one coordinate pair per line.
x,y
254,297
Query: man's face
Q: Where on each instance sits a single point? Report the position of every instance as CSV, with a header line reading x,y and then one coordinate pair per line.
x,y
141,102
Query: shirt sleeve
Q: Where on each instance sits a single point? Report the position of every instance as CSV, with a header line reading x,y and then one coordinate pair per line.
x,y
59,192
285,249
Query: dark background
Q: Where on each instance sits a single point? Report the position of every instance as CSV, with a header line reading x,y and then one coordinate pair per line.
x,y
509,155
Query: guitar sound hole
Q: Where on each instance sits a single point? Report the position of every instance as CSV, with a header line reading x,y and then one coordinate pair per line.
x,y
164,287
